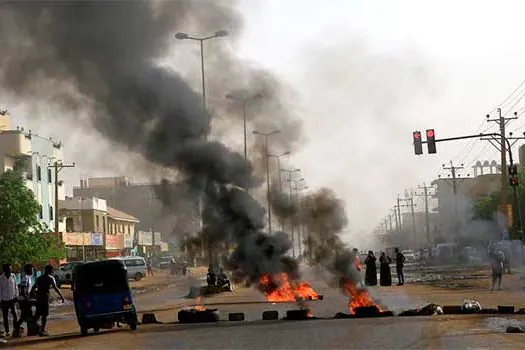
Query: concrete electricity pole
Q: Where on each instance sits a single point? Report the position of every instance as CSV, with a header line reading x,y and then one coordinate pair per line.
x,y
425,194
58,166
399,212
502,122
266,135
453,172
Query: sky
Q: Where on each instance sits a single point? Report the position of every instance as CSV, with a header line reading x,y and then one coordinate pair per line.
x,y
367,74
469,58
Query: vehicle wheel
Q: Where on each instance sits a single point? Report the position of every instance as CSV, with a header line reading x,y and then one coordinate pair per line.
x,y
96,329
138,276
83,331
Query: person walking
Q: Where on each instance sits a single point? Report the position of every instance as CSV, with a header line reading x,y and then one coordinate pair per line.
x,y
400,263
371,269
43,286
496,263
385,276
8,297
23,301
150,269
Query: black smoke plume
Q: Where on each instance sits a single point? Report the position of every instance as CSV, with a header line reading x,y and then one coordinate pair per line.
x,y
325,218
101,56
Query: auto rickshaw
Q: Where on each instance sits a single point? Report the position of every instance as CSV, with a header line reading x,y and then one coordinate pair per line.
x,y
102,296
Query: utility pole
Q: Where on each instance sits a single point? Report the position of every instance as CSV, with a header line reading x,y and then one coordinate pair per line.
x,y
390,220
425,189
399,212
453,172
395,215
502,122
58,166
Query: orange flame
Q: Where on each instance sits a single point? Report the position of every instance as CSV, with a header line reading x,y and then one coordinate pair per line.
x,y
279,288
358,297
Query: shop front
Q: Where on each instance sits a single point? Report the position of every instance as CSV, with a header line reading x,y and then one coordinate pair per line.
x,y
84,246
114,245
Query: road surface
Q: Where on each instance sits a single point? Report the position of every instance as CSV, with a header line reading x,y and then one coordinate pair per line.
x,y
440,332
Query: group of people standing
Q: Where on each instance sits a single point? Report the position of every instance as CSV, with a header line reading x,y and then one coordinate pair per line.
x,y
26,294
385,275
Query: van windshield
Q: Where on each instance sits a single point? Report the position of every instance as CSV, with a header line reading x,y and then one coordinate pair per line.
x,y
101,279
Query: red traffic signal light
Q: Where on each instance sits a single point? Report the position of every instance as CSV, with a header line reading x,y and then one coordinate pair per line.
x,y
513,170
431,141
418,144
514,181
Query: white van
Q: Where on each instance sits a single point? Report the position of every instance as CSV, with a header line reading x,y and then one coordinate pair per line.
x,y
135,265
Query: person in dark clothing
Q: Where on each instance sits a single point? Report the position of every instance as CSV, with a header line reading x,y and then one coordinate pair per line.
x,y
23,300
385,276
42,287
211,278
223,281
148,265
400,263
371,269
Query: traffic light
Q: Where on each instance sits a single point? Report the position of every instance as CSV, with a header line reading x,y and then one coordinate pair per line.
x,y
431,141
418,144
514,181
513,170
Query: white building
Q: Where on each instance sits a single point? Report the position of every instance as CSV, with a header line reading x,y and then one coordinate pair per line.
x,y
33,155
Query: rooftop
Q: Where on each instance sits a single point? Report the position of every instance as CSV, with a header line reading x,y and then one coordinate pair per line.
x,y
120,215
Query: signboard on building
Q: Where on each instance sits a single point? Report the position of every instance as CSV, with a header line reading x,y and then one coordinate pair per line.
x,y
164,247
97,238
128,240
158,239
114,242
145,238
76,238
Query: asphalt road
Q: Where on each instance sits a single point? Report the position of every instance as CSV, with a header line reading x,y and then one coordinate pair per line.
x,y
441,332
385,333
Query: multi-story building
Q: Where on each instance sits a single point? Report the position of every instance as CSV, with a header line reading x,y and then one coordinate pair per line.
x,y
86,225
141,200
121,232
33,155
94,230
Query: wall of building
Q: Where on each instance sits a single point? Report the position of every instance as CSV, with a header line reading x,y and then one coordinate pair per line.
x,y
34,154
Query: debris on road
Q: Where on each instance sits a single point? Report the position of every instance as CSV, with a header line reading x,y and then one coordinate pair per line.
x,y
198,315
471,306
299,315
514,329
149,318
428,310
503,309
270,315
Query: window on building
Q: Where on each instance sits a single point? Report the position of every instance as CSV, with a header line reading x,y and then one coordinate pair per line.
x,y
70,225
97,223
41,213
50,212
129,228
49,176
103,224
39,173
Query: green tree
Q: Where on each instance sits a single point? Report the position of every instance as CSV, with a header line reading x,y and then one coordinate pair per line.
x,y
486,207
23,238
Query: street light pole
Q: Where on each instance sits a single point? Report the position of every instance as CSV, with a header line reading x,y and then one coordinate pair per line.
x,y
300,227
244,101
292,182
278,157
201,40
266,136
185,36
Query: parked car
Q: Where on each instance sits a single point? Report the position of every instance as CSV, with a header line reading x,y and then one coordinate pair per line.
x,y
409,255
164,263
135,266
64,273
